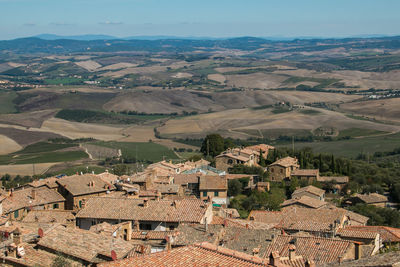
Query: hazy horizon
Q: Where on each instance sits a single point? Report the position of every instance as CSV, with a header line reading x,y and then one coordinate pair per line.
x,y
213,19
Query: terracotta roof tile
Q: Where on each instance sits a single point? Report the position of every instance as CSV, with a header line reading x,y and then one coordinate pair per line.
x,y
337,179
321,250
305,201
286,162
213,182
84,184
49,216
388,234
309,189
372,198
198,255
354,233
185,210
82,244
299,172
29,197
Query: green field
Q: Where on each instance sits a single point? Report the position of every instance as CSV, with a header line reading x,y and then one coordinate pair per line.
x,y
6,102
309,111
357,132
79,169
150,152
353,147
43,152
64,81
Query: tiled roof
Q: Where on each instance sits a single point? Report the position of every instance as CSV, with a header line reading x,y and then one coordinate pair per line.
x,y
337,179
262,147
83,244
151,235
241,157
213,182
268,217
108,177
388,234
248,240
305,201
49,182
185,210
84,184
188,234
24,198
372,198
309,189
286,162
198,255
49,216
321,250
391,259
186,178
299,172
305,219
34,258
237,176
240,223
354,233
167,188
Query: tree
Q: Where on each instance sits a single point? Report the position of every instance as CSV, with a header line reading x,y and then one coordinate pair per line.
x,y
234,187
121,169
261,162
60,261
213,145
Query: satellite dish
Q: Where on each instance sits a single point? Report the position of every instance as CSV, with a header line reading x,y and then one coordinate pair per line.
x,y
40,232
113,255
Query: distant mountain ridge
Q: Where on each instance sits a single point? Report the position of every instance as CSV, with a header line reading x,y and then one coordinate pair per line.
x,y
53,45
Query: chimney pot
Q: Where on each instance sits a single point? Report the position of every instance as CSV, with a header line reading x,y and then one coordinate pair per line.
x,y
33,194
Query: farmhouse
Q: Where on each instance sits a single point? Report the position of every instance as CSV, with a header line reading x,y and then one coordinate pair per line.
x,y
375,199
282,169
77,188
306,175
231,157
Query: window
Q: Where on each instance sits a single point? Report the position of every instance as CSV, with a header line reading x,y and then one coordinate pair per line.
x,y
93,222
272,170
16,214
56,206
281,171
80,203
215,193
230,161
204,193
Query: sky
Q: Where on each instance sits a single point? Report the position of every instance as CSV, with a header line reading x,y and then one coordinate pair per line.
x,y
200,18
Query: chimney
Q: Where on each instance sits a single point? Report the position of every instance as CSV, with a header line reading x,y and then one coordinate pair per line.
x,y
145,202
292,252
168,239
256,251
17,238
310,263
268,187
33,194
274,259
